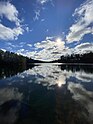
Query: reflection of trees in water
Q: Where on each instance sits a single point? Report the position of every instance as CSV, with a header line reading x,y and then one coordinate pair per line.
x,y
47,74
88,68
9,71
50,75
73,103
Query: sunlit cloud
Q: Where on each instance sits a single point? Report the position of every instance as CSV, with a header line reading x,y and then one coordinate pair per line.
x,y
10,12
46,49
83,48
82,25
52,47
49,50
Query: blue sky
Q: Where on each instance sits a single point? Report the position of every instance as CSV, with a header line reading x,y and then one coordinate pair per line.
x,y
46,29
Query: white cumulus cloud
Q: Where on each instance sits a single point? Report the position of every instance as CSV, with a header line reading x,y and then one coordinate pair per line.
x,y
10,12
83,24
48,50
83,48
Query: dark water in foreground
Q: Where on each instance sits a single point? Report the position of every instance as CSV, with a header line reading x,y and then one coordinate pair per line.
x,y
47,94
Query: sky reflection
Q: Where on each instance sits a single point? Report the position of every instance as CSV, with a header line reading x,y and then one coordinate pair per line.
x,y
48,91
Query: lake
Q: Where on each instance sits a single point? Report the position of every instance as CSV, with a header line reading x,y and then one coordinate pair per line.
x,y
47,94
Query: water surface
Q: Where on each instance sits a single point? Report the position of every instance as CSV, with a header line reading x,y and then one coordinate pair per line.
x,y
47,94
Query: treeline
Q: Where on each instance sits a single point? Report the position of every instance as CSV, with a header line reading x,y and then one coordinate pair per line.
x,y
13,59
12,63
9,58
77,58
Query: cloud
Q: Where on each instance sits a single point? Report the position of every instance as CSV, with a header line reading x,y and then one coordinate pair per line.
x,y
7,33
21,52
27,29
83,24
84,45
42,20
42,2
46,50
49,38
37,15
40,6
29,45
83,48
51,49
80,49
19,45
10,12
3,50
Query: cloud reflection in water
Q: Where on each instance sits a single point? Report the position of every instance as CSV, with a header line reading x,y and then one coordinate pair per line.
x,y
44,83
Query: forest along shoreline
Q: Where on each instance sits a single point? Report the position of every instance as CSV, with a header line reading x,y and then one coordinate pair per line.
x,y
13,60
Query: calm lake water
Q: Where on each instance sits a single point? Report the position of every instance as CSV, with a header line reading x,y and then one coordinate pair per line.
x,y
47,94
